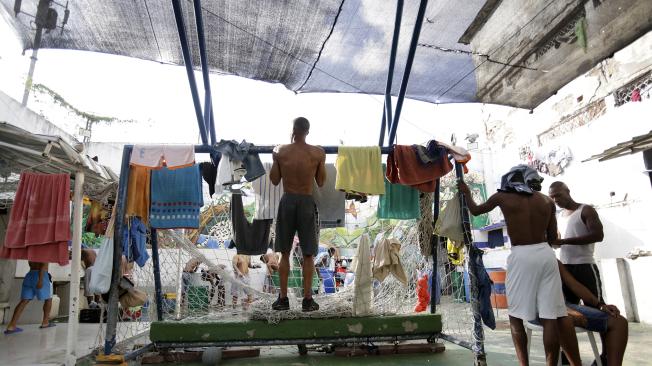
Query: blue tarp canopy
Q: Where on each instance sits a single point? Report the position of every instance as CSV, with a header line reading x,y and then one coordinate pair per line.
x,y
508,52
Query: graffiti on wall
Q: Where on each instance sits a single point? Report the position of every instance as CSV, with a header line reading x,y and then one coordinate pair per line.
x,y
550,161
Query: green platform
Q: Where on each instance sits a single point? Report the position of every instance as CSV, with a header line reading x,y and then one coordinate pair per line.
x,y
295,329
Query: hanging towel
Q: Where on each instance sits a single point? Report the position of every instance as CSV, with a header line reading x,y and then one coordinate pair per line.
x,y
249,238
229,172
209,173
153,156
330,201
39,225
267,196
359,170
399,202
426,202
460,154
134,240
403,167
138,193
362,285
176,198
387,261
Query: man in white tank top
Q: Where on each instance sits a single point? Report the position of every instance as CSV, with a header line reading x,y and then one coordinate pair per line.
x,y
579,228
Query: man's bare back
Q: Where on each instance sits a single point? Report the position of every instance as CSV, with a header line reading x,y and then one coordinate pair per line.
x,y
298,164
530,219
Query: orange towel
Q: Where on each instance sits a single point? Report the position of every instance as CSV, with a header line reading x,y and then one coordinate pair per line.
x,y
138,193
404,168
39,225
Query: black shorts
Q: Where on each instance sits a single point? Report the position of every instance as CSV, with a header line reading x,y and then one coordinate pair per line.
x,y
589,276
297,213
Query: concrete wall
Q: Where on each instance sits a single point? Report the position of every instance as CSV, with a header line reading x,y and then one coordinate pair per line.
x,y
617,188
12,112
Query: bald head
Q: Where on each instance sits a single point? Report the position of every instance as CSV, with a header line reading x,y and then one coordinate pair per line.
x,y
560,193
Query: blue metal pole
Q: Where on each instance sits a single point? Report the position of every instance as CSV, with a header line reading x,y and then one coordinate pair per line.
x,y
434,244
387,112
208,107
157,276
478,331
408,68
112,310
212,130
185,49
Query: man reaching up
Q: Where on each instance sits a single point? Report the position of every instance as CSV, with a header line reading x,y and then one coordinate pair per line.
x,y
299,165
533,282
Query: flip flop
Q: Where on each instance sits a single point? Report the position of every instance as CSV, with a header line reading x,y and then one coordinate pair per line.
x,y
13,331
50,325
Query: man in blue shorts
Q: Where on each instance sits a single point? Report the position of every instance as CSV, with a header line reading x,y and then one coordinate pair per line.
x,y
37,283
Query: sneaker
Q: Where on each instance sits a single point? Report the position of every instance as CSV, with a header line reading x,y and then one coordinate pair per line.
x,y
282,303
309,305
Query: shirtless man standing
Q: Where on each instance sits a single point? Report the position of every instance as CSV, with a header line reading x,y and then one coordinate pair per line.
x,y
299,165
37,284
533,283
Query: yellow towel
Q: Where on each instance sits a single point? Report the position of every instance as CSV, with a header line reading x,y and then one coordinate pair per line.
x,y
359,170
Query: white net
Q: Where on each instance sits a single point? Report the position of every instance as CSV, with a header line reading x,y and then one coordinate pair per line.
x,y
215,291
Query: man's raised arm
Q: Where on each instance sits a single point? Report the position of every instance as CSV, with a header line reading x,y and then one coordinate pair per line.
x,y
475,209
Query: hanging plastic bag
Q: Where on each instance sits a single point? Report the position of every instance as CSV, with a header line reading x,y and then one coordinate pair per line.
x,y
449,223
103,267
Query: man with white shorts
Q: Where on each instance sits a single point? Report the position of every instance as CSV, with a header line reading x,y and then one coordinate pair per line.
x,y
533,284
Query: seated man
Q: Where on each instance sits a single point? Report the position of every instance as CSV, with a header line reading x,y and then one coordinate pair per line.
x,y
598,317
271,260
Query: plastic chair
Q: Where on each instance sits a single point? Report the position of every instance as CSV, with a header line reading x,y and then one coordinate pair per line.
x,y
529,327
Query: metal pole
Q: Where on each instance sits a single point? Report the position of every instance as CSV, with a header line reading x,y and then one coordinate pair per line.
x,y
478,344
157,276
208,107
112,311
434,244
387,112
383,122
187,59
32,65
73,311
408,68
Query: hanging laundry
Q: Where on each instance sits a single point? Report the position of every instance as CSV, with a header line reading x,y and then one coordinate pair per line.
x,y
431,153
39,225
138,193
330,201
359,170
362,285
153,156
229,172
134,240
267,196
249,238
399,202
176,198
484,286
240,152
460,154
387,260
636,95
426,223
209,173
520,179
403,167
449,223
423,296
455,252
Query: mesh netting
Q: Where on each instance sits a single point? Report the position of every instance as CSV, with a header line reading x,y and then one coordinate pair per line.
x,y
216,293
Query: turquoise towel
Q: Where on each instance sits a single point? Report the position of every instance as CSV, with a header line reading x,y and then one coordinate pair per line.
x,y
399,202
176,197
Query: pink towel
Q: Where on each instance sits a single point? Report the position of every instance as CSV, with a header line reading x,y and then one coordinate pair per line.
x,y
39,225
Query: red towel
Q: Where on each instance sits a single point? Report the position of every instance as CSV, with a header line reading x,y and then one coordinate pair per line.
x,y
404,168
39,225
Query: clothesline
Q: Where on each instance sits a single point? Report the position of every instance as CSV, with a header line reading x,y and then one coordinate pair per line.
x,y
268,149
